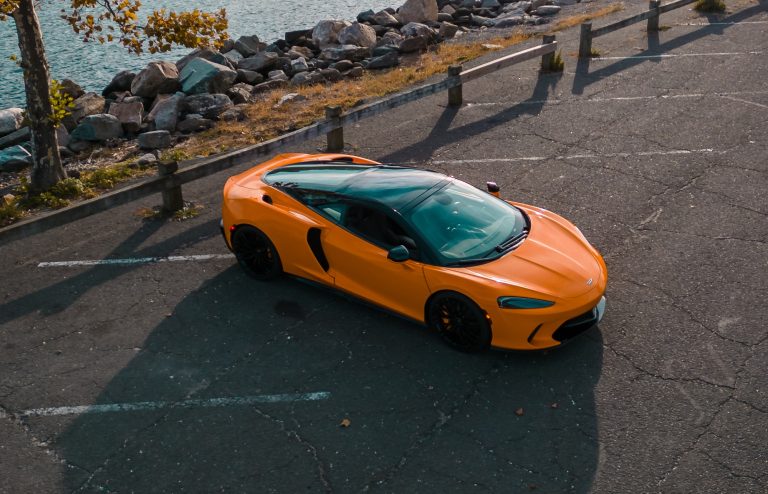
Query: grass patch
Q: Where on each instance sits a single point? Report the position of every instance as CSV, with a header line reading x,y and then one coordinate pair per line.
x,y
664,28
556,63
86,186
174,155
594,53
580,19
189,211
9,210
710,6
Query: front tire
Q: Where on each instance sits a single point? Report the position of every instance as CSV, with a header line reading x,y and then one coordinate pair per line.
x,y
460,322
256,253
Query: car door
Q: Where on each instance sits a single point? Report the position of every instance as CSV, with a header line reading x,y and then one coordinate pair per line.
x,y
357,257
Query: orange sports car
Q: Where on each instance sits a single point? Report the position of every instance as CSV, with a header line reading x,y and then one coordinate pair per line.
x,y
480,270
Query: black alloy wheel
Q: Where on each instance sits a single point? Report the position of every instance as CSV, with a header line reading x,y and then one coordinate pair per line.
x,y
256,254
460,322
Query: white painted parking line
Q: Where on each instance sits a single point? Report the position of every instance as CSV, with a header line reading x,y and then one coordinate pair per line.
x,y
161,405
719,23
676,55
759,105
133,260
618,98
576,156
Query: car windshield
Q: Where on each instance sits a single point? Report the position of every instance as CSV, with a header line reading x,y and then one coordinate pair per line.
x,y
462,223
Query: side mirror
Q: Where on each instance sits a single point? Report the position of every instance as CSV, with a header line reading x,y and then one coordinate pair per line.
x,y
399,254
493,188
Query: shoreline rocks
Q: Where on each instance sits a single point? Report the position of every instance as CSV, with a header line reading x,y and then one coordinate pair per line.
x,y
208,85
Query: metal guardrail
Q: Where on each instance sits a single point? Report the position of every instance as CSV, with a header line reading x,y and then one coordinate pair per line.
x,y
655,9
171,176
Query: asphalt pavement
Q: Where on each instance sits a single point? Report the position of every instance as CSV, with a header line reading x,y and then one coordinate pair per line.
x,y
146,373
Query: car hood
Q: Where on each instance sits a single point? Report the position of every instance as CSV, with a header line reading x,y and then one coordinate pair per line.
x,y
555,260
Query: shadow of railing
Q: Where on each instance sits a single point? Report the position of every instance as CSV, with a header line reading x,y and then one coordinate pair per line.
x,y
441,134
583,77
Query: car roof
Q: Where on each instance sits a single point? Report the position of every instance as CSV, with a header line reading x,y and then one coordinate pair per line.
x,y
397,187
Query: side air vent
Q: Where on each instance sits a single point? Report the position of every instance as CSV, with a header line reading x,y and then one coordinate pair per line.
x,y
313,239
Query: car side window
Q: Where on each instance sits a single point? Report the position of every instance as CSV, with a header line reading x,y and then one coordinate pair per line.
x,y
377,227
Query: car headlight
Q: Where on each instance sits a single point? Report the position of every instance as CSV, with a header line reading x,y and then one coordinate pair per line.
x,y
523,303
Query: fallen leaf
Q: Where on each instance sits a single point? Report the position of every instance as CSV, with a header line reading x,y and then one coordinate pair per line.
x,y
554,405
520,412
345,422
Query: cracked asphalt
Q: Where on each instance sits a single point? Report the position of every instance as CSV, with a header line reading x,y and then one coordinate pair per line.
x,y
663,164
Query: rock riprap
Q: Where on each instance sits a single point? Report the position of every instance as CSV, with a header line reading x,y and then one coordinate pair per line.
x,y
208,85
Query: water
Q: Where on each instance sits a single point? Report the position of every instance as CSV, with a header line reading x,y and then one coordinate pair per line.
x,y
92,65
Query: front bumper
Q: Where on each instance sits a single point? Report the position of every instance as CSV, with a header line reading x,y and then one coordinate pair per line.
x,y
539,329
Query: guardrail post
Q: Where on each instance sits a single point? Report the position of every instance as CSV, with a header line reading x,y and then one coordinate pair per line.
x,y
336,136
585,41
653,22
172,198
546,59
455,96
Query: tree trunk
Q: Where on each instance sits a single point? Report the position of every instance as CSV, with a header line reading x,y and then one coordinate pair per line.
x,y
47,169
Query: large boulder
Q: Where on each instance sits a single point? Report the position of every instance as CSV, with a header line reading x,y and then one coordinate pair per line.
x,y
14,159
97,128
71,88
249,77
299,65
201,76
418,29
129,114
412,44
165,111
346,52
448,30
326,33
385,19
158,139
385,61
358,34
207,105
10,120
248,46
418,11
240,93
156,78
194,123
518,8
390,38
205,54
546,10
258,62
120,83
85,105
307,78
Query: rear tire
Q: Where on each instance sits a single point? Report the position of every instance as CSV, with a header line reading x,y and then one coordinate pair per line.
x,y
460,322
256,253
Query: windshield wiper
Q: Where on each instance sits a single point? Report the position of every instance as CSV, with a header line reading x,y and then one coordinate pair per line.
x,y
467,262
512,242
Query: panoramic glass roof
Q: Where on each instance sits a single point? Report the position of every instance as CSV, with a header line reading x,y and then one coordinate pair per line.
x,y
394,186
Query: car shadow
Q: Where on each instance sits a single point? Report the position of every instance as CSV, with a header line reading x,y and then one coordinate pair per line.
x,y
584,78
417,410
